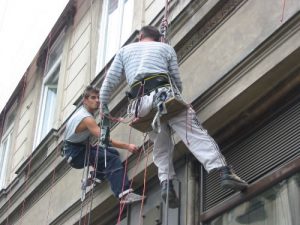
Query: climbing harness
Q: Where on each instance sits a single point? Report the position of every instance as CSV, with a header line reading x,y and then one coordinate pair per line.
x,y
156,99
165,105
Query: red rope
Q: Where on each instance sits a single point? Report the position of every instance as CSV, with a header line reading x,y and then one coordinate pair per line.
x,y
52,183
26,187
95,166
30,157
144,188
122,205
283,9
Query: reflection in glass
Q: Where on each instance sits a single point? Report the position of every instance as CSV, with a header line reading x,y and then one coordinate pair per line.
x,y
280,205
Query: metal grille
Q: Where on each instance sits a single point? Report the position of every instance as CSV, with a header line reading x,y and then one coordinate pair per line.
x,y
273,144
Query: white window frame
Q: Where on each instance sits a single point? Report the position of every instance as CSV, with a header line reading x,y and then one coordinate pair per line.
x,y
4,153
104,56
52,73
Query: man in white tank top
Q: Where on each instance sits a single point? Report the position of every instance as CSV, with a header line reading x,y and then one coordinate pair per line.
x,y
79,128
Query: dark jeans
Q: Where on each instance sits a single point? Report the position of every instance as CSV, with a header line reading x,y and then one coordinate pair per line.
x,y
114,171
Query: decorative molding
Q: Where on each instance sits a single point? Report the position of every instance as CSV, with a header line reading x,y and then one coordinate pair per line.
x,y
205,27
262,51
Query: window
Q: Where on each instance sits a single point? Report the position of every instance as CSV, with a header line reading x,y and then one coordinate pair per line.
x,y
49,90
116,25
277,206
5,144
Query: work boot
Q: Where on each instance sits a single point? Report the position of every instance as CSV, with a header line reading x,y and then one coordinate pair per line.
x,y
173,199
229,180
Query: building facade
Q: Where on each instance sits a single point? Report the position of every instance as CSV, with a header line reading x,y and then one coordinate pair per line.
x,y
239,63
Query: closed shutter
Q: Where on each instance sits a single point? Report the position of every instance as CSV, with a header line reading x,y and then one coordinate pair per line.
x,y
274,143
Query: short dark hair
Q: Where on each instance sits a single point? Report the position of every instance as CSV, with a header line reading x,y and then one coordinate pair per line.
x,y
90,90
151,32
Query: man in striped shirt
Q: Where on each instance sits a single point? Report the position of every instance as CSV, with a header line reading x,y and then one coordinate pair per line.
x,y
150,58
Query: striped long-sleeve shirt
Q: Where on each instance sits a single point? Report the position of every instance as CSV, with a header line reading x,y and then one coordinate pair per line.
x,y
137,59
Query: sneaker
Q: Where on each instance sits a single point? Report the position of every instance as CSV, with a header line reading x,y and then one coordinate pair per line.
x,y
94,177
131,198
229,180
88,182
173,199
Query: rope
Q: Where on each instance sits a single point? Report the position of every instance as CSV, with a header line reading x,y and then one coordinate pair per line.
x,y
26,188
94,180
21,100
52,182
85,171
122,205
145,180
283,9
30,156
88,151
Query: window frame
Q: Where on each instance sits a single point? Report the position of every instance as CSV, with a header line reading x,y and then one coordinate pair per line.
x,y
4,153
103,57
51,74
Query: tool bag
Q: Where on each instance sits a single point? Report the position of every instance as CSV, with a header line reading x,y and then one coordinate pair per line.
x,y
152,94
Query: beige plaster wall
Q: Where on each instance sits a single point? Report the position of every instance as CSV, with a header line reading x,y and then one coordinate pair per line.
x,y
244,31
78,72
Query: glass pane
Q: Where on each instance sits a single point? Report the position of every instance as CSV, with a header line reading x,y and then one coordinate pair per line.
x,y
3,158
2,155
55,52
50,102
127,21
112,6
280,205
10,118
112,37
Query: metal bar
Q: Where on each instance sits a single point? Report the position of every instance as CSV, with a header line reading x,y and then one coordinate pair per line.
x,y
253,190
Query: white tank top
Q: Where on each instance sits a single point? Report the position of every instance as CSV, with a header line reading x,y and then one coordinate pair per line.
x,y
72,124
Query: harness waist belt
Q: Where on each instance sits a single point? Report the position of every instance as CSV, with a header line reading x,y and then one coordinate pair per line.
x,y
147,85
74,144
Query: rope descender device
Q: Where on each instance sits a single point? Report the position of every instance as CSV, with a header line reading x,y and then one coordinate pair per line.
x,y
105,130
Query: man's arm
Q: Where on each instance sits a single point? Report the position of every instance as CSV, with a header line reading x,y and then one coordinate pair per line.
x,y
130,147
93,127
174,70
112,79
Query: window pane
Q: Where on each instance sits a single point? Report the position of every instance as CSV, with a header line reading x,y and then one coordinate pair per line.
x,y
116,28
3,158
112,36
127,21
112,6
50,102
10,117
55,52
280,205
2,155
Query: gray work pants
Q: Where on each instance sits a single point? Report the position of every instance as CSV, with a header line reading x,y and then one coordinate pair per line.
x,y
198,141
